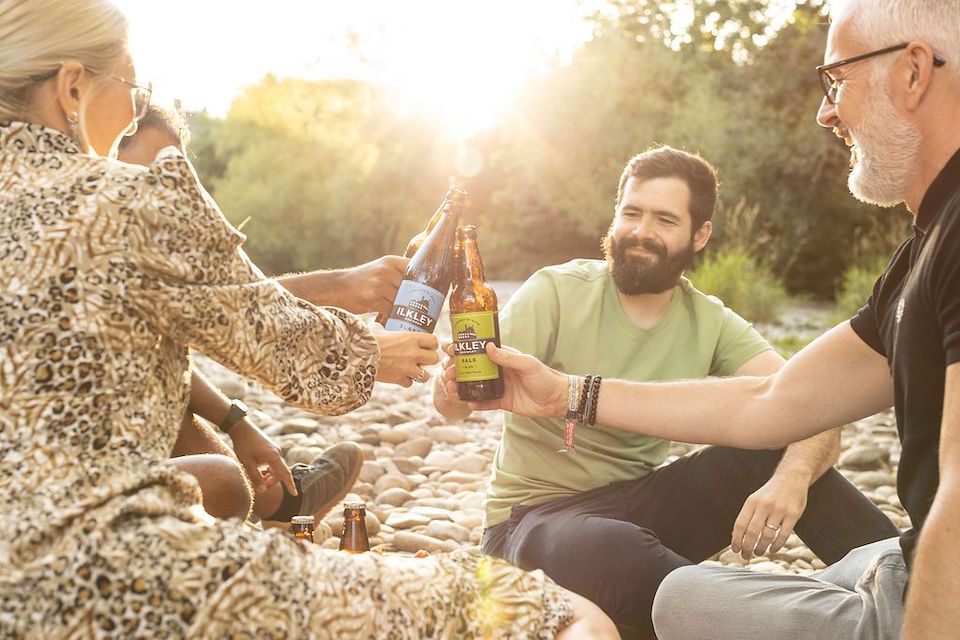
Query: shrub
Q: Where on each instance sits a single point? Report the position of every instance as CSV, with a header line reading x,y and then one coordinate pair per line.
x,y
857,285
743,283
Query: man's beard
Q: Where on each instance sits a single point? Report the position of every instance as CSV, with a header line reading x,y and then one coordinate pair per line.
x,y
635,275
887,149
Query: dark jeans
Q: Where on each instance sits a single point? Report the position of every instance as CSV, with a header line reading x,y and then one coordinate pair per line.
x,y
615,544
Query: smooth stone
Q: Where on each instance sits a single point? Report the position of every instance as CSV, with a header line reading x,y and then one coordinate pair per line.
x,y
874,479
468,520
447,434
389,467
300,425
365,489
447,531
865,458
368,453
371,471
372,523
321,532
458,477
332,542
433,513
395,497
728,557
406,465
394,436
391,480
415,428
766,566
439,503
303,455
234,388
400,520
471,500
441,460
421,492
471,463
411,542
885,492
416,447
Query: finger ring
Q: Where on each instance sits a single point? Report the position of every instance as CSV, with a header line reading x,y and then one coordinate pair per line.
x,y
422,376
771,527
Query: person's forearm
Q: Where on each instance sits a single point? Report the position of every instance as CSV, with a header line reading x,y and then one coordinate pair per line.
x,y
206,400
321,288
807,460
932,612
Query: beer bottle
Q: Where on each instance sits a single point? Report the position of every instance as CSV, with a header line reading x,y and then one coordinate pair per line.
x,y
301,527
425,284
474,323
353,537
417,241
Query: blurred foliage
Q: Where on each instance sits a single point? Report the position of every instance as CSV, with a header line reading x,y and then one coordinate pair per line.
x,y
330,174
856,287
743,282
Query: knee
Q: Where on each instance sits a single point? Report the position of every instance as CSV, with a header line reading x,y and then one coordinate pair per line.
x,y
226,491
682,589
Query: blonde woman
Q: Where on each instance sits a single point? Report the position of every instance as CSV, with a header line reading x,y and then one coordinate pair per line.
x,y
110,271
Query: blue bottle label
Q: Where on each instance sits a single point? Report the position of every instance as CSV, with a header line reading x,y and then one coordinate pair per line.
x,y
416,308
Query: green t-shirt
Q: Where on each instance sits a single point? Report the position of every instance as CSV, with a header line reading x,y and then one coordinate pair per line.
x,y
570,317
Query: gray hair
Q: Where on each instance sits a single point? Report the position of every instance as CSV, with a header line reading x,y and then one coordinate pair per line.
x,y
38,36
884,23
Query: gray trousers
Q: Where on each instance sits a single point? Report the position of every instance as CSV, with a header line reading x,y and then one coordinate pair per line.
x,y
858,598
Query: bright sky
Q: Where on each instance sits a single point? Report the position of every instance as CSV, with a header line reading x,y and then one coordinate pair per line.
x,y
466,58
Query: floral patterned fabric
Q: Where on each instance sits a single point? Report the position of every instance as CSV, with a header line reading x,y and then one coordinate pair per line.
x,y
109,273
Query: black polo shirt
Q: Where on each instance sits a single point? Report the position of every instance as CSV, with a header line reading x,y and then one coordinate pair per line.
x,y
913,318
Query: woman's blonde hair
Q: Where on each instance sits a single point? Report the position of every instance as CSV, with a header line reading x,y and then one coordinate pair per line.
x,y
38,36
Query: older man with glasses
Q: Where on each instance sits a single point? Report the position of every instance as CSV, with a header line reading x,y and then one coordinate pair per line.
x,y
900,114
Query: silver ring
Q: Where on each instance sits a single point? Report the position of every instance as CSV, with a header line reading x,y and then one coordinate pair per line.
x,y
421,377
771,527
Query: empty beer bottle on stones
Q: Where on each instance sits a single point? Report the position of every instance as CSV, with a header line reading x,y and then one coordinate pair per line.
x,y
425,284
301,528
353,537
417,241
474,323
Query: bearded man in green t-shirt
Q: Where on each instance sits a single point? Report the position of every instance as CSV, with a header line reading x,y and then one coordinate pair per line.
x,y
607,520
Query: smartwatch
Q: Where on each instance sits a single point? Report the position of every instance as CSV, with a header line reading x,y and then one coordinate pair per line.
x,y
238,411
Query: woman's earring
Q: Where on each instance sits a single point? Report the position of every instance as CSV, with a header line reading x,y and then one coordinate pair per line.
x,y
73,121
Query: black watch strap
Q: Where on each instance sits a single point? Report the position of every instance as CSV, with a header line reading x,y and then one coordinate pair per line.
x,y
238,411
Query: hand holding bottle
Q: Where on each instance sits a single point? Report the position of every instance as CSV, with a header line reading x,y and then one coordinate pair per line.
x,y
404,354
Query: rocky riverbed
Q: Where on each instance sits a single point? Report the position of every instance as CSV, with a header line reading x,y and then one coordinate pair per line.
x,y
424,476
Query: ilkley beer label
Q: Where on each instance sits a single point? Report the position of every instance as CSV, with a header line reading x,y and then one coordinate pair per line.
x,y
416,308
471,333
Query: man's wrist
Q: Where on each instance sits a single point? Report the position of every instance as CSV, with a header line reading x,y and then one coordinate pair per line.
x,y
238,411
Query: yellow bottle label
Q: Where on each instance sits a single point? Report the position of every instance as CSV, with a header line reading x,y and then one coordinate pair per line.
x,y
471,333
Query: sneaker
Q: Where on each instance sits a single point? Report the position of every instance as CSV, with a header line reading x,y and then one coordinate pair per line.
x,y
325,481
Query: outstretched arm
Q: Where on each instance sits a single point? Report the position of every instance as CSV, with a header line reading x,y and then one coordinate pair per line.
x,y
835,380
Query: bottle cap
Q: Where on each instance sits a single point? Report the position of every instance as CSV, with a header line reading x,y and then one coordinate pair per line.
x,y
302,520
353,506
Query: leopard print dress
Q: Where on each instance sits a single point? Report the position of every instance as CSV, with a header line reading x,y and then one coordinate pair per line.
x,y
108,273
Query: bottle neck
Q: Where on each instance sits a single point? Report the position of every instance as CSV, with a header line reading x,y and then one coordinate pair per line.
x,y
471,264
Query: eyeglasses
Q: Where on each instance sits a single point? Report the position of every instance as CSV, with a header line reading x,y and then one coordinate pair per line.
x,y
831,85
141,96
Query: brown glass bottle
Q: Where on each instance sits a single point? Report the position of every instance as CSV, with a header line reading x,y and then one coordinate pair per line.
x,y
353,537
301,528
417,241
425,284
474,322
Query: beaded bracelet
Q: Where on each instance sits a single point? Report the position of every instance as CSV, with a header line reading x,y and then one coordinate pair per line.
x,y
570,419
591,418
